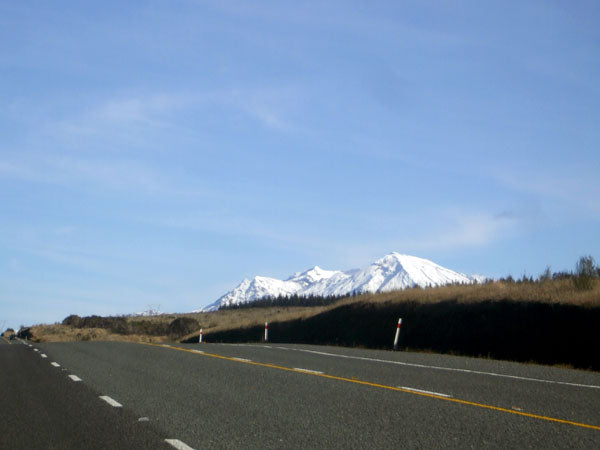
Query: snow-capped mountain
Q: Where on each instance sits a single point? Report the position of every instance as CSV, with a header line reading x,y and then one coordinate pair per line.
x,y
392,272
149,312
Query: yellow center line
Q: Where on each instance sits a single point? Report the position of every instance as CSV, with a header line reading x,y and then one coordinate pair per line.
x,y
384,386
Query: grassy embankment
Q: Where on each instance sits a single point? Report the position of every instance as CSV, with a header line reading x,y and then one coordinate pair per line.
x,y
157,328
549,321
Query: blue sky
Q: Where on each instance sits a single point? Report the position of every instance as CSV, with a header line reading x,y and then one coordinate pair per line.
x,y
158,152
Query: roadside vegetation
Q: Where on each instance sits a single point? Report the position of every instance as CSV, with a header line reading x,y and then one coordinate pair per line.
x,y
159,328
552,319
9,333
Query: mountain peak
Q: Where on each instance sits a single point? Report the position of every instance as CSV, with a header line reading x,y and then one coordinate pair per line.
x,y
394,271
314,274
315,270
401,258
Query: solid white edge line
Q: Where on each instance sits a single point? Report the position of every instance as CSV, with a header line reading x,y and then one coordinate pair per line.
x,y
307,370
55,364
449,369
74,378
178,444
241,359
197,351
111,401
425,392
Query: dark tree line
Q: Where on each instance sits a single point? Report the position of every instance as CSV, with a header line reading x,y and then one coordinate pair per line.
x,y
584,276
283,301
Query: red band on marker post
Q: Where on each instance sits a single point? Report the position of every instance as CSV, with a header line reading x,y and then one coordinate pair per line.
x,y
397,337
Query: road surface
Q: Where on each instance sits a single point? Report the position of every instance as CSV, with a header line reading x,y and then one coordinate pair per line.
x,y
286,396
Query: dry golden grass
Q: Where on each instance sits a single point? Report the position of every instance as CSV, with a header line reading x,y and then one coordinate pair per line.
x,y
64,333
248,317
551,291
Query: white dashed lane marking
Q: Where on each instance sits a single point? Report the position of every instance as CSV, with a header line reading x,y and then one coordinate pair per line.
x,y
178,444
112,402
307,370
425,392
55,364
43,355
74,378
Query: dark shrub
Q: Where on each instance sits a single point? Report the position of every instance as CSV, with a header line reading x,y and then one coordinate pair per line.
x,y
93,322
73,320
118,325
25,333
115,324
182,326
585,273
149,327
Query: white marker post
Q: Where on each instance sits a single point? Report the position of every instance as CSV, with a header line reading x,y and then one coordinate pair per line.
x,y
397,337
266,331
200,337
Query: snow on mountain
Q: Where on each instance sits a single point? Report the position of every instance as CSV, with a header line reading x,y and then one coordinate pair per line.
x,y
477,278
392,272
260,287
149,312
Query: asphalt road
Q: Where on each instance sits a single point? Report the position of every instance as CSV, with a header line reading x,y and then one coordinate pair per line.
x,y
41,407
291,396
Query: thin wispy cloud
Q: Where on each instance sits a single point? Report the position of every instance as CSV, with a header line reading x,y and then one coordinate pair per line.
x,y
12,169
106,174
113,174
281,234
574,186
356,20
64,170
269,106
123,118
139,119
142,109
466,229
443,231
